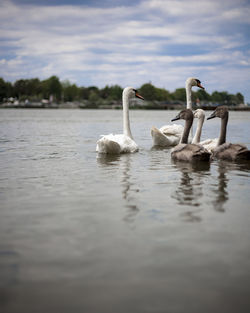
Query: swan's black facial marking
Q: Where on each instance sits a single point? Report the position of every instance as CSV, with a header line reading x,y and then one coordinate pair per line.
x,y
199,84
137,94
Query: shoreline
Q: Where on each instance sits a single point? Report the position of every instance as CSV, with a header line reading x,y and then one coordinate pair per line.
x,y
135,107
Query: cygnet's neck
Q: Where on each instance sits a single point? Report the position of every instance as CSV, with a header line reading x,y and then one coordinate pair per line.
x,y
197,136
126,124
189,99
188,125
223,130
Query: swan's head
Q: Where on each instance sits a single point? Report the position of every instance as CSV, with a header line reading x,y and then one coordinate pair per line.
x,y
194,82
199,113
220,112
131,92
185,114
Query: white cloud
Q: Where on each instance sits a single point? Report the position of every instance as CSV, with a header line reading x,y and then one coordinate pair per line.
x,y
158,41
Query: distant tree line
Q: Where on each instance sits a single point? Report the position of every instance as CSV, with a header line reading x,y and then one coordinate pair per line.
x,y
35,90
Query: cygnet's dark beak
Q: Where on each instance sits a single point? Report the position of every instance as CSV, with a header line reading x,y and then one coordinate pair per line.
x,y
211,116
176,118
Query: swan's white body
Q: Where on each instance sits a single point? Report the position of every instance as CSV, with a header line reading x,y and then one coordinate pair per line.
x,y
170,135
208,144
116,144
122,143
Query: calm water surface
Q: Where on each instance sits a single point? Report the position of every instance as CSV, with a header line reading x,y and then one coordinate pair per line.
x,y
80,232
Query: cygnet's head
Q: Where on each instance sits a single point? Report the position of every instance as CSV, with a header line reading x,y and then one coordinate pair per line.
x,y
199,113
185,114
191,81
220,111
131,92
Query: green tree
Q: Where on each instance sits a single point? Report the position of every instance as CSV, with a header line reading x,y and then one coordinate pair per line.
x,y
221,97
5,89
231,100
36,89
111,93
180,94
27,87
240,98
148,91
52,86
84,93
202,95
162,94
216,97
70,92
225,97
93,97
33,87
20,88
93,89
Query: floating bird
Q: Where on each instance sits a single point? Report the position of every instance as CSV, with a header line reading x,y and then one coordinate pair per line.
x,y
170,135
208,144
121,143
185,151
224,150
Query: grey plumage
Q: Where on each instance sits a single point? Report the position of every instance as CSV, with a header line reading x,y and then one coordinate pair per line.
x,y
184,151
227,151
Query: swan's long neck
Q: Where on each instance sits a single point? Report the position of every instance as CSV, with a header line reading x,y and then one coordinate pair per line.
x,y
223,130
189,99
189,95
197,136
188,125
126,124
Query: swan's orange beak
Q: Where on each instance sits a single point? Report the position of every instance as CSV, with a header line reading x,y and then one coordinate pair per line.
x,y
138,96
200,85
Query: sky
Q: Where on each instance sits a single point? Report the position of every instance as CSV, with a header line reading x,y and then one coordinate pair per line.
x,y
129,43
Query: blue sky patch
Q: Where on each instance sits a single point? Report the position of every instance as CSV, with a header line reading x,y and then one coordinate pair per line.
x,y
128,42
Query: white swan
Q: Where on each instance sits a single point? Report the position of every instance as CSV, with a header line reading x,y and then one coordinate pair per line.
x,y
122,143
208,144
170,135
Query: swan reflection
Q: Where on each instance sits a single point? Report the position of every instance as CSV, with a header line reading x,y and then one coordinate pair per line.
x,y
221,193
128,188
159,148
190,190
108,159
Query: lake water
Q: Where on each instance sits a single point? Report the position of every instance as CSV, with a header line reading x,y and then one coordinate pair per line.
x,y
80,232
